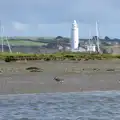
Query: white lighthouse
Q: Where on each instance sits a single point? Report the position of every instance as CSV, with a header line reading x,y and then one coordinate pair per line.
x,y
74,36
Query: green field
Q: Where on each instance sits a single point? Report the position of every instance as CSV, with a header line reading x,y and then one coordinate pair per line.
x,y
26,43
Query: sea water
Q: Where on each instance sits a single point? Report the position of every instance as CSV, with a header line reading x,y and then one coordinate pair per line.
x,y
61,106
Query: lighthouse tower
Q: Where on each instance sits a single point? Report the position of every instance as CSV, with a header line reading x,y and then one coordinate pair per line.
x,y
74,36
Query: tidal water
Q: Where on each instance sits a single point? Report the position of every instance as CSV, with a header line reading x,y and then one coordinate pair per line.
x,y
61,106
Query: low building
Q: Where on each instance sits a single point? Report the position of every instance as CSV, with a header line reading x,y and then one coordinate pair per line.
x,y
91,48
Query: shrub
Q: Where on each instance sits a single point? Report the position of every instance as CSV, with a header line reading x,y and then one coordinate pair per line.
x,y
47,59
7,59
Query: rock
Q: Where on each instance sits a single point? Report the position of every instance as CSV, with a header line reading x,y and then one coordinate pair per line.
x,y
110,69
34,69
96,69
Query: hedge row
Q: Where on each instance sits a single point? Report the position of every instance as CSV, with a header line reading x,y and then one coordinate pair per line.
x,y
57,56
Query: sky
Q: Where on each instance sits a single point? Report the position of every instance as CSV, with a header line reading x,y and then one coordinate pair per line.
x,y
51,18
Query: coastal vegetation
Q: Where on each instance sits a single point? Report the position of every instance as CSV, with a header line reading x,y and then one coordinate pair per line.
x,y
60,56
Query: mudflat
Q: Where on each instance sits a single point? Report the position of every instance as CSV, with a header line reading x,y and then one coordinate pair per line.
x,y
92,75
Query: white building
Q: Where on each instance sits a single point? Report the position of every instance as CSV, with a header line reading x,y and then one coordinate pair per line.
x,y
91,48
74,36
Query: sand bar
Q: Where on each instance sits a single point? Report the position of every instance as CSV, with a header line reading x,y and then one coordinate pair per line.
x,y
92,75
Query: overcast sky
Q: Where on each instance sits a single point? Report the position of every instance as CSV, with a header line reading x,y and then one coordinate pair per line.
x,y
54,17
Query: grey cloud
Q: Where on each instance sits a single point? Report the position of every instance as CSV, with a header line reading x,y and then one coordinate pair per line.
x,y
60,11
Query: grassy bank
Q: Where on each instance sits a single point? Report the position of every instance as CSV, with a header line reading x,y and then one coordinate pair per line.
x,y
56,56
25,43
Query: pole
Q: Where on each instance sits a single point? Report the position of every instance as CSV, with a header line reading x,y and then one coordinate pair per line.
x,y
97,34
8,45
2,31
89,41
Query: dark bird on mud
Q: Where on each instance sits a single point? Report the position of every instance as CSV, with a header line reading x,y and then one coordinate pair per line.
x,y
58,80
118,81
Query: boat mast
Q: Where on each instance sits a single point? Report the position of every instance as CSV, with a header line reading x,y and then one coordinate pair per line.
x,y
97,35
89,40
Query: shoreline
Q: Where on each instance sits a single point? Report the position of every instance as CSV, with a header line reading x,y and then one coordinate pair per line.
x,y
82,76
47,93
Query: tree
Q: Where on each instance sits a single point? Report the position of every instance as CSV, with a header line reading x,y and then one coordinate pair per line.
x,y
59,37
107,38
60,40
94,38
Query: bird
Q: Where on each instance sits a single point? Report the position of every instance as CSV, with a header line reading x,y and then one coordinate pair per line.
x,y
58,80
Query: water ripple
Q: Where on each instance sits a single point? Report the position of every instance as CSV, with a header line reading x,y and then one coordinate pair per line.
x,y
61,106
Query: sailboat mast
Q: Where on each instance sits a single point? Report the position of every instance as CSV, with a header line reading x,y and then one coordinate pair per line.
x,y
2,39
89,41
97,34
